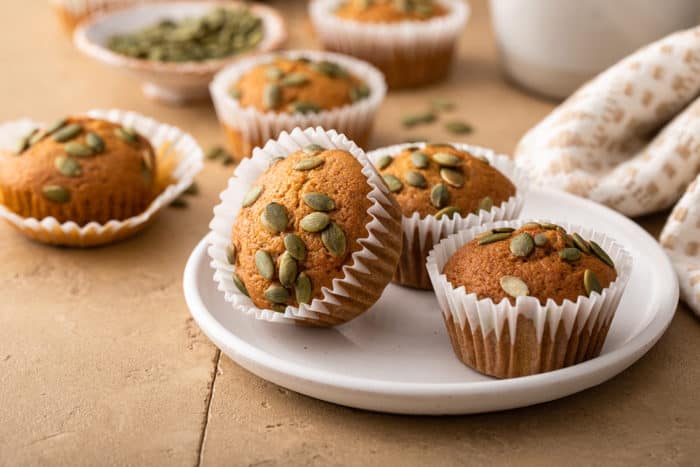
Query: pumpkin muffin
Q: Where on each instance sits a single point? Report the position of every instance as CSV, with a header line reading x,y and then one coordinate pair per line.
x,y
264,96
524,298
441,184
79,169
411,41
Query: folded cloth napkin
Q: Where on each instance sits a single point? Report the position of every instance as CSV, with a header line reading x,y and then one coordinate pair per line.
x,y
630,139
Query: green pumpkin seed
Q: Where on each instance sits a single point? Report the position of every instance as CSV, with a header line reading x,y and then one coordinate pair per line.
x,y
302,288
393,183
148,175
96,143
68,166
67,133
548,226
448,211
541,239
303,107
452,177
580,243
214,152
192,190
446,159
333,238
384,161
442,145
484,159
318,201
531,225
313,148
503,230
55,126
294,79
415,179
483,234
231,254
568,239
485,204
127,135
272,96
591,282
23,143
274,218
276,294
287,269
278,307
494,237
308,163
419,159
76,149
601,254
314,222
458,128
36,137
522,244
273,73
514,286
570,254
238,282
295,246
235,93
439,196
359,92
252,196
442,105
330,69
417,119
56,193
264,264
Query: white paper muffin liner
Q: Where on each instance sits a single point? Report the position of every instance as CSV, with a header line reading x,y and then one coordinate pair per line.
x,y
382,43
354,120
420,234
480,320
167,141
369,269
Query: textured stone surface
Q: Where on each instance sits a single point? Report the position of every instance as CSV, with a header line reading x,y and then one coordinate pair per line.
x,y
101,365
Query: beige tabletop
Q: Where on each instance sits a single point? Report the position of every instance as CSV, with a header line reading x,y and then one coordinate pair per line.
x,y
101,364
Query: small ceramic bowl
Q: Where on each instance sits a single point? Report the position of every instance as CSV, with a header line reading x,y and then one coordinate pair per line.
x,y
170,82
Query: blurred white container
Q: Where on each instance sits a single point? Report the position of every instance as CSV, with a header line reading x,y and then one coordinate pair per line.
x,y
553,46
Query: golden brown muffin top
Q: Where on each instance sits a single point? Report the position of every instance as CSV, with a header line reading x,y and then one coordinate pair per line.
x,y
298,226
78,162
298,86
390,11
538,260
442,180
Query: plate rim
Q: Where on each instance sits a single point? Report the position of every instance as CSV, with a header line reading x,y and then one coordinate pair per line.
x,y
262,360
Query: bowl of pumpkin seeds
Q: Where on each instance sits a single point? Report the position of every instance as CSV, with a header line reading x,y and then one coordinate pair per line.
x,y
175,48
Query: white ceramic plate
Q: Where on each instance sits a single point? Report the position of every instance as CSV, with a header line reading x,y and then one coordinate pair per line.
x,y
397,356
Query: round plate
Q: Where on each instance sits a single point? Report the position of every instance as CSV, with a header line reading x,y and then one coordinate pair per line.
x,y
397,356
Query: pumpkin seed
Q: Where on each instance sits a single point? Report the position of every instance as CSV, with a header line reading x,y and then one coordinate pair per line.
x,y
541,239
276,294
484,234
591,282
330,69
252,196
458,128
485,204
94,141
287,269
178,203
314,222
359,92
278,307
333,238
452,177
442,145
235,93
601,254
531,225
272,96
484,159
393,183
448,212
231,254
78,149
264,264
68,166
273,73
569,241
308,163
384,161
56,193
147,174
439,196
503,230
302,288
419,159
127,135
295,246
494,237
514,286
443,105
274,218
313,148
318,201
294,79
415,179
446,159
192,190
238,282
67,132
417,119
55,126
570,254
580,243
23,143
522,244
548,226
36,137
303,107
214,152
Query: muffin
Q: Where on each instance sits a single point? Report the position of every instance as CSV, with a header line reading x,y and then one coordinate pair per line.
x,y
257,98
79,169
520,298
442,188
412,42
316,236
